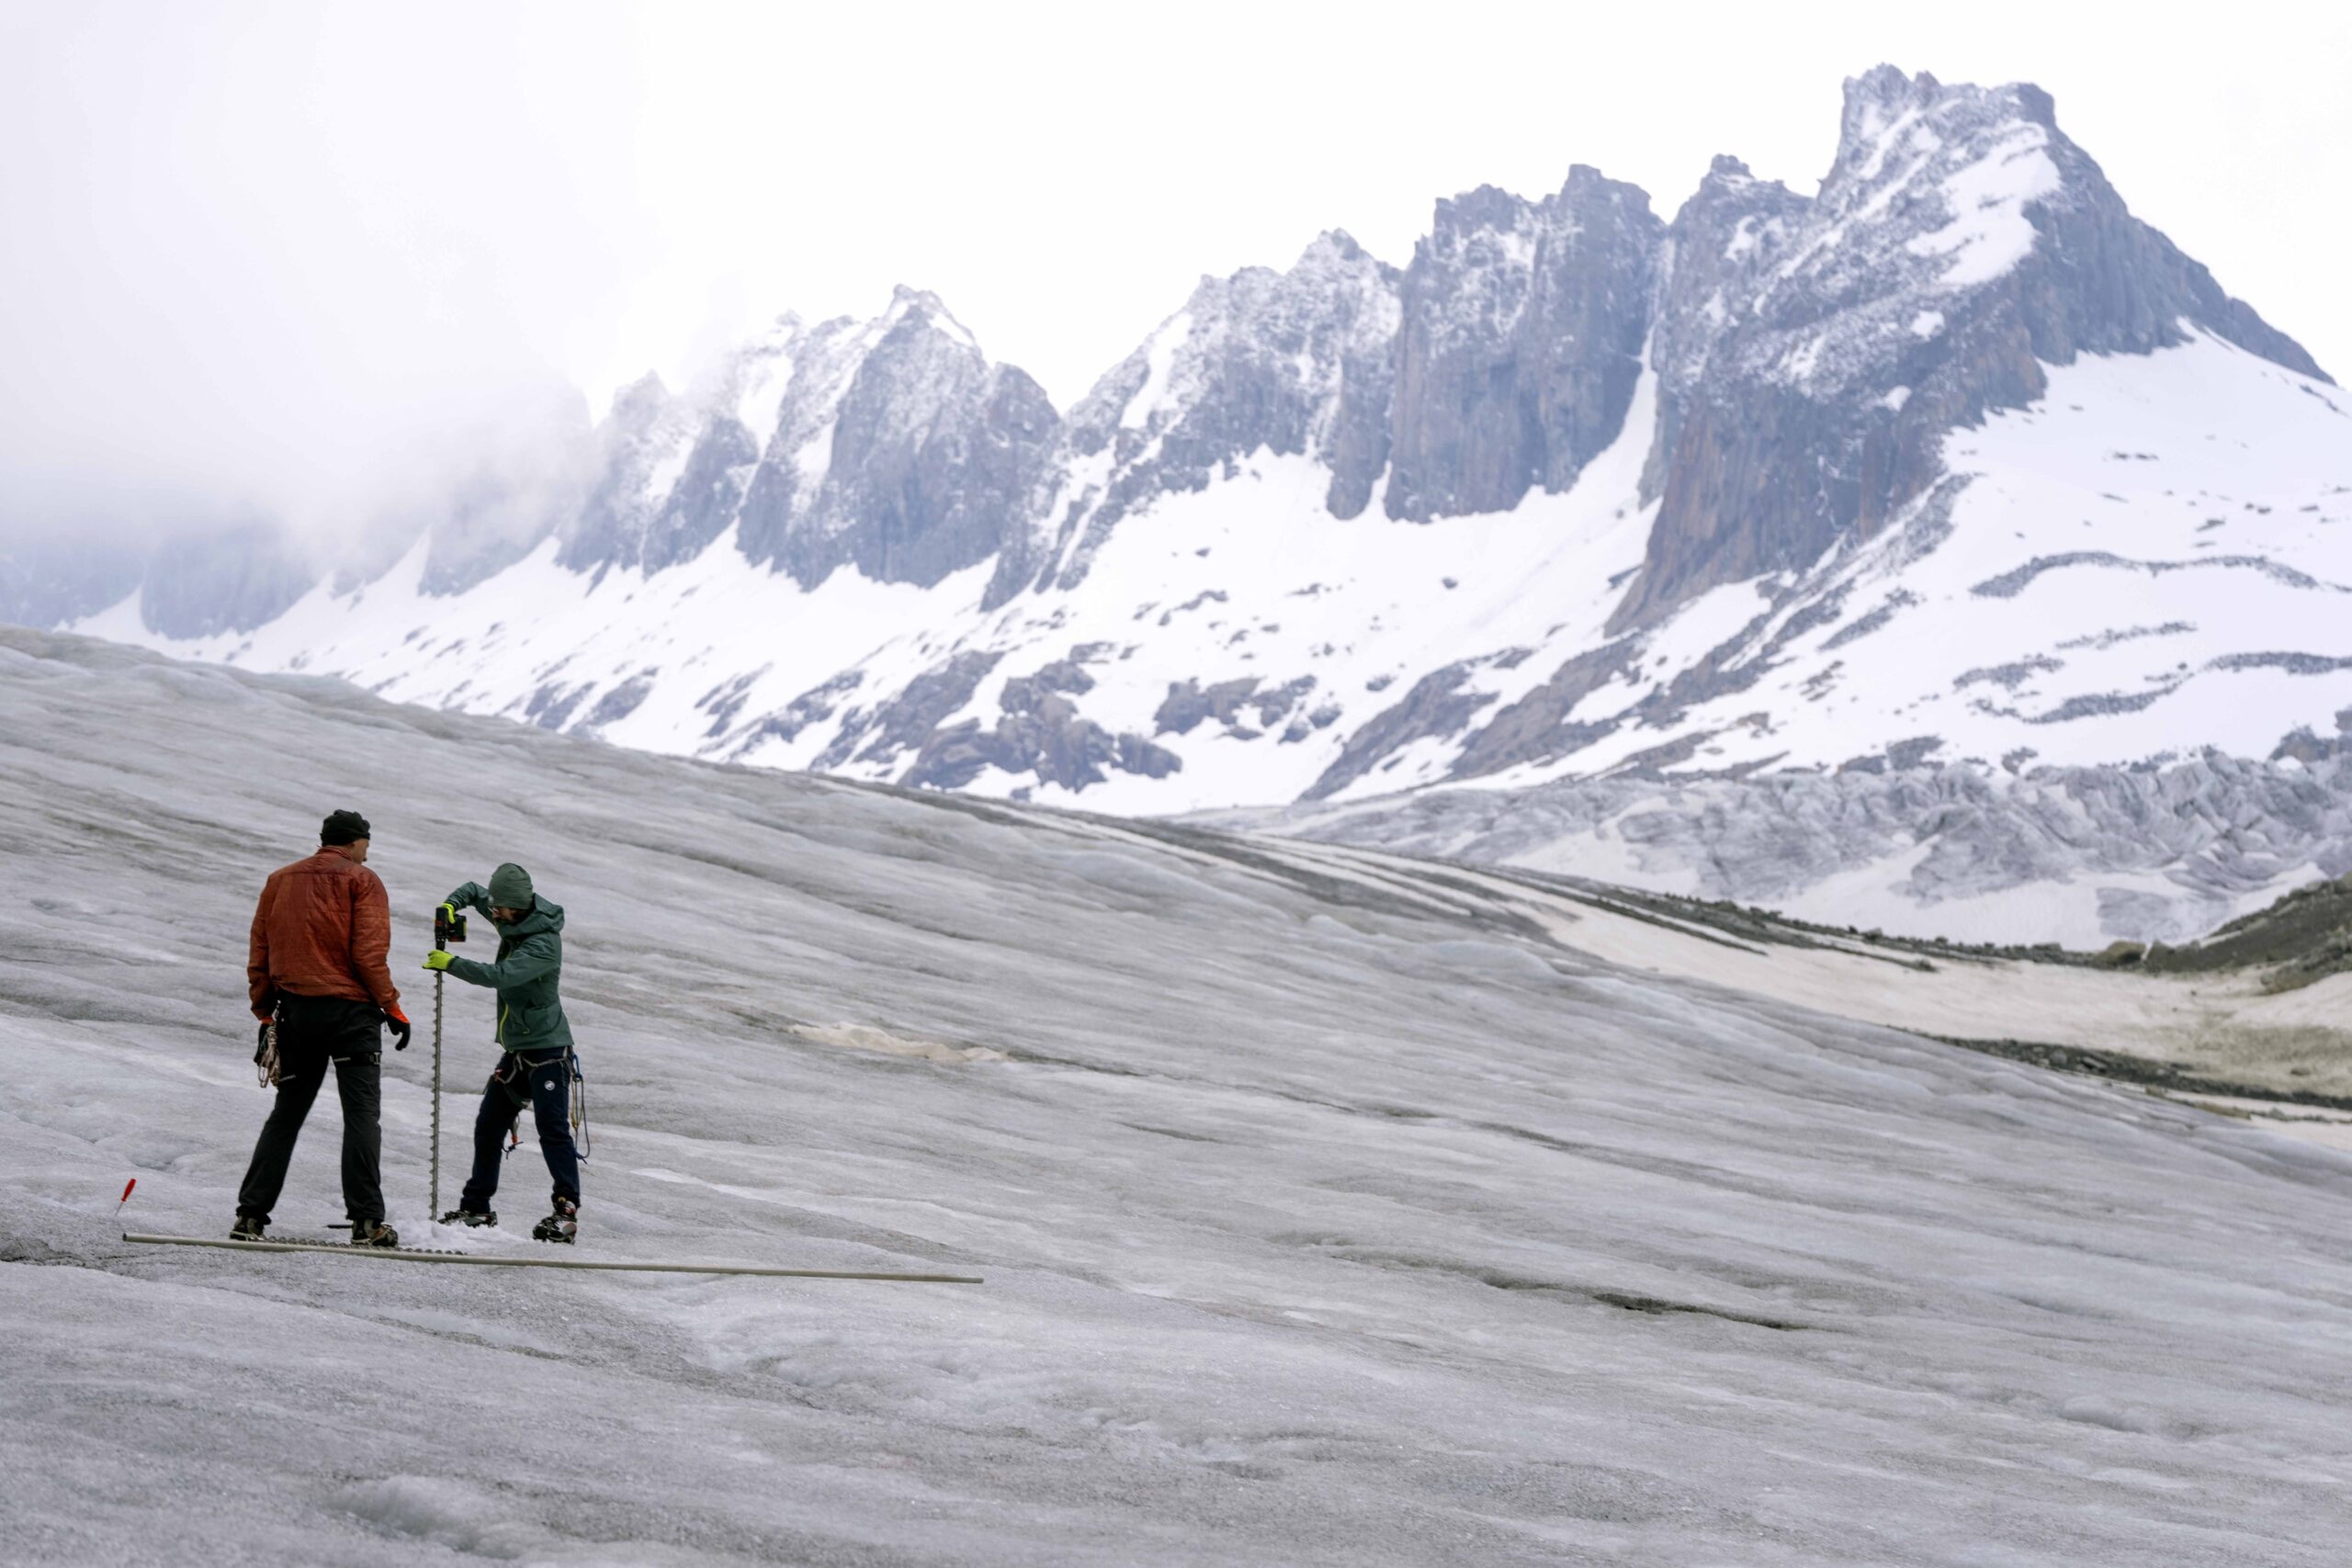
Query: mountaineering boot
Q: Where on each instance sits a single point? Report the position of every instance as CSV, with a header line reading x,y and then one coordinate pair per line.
x,y
468,1217
373,1233
247,1228
561,1226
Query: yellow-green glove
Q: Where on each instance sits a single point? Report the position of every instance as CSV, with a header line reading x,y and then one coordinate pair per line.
x,y
437,960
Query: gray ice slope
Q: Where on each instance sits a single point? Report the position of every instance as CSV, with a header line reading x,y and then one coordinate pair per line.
x,y
1319,1226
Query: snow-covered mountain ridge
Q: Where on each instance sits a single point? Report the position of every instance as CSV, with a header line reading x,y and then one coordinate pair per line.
x,y
1955,462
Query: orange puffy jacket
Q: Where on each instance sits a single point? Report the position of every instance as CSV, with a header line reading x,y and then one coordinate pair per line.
x,y
324,928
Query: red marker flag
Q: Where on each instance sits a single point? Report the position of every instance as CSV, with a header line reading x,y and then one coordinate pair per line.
x,y
126,1196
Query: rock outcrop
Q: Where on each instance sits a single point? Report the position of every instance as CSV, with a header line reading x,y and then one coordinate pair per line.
x,y
1289,362
891,446
1814,354
899,450
1524,325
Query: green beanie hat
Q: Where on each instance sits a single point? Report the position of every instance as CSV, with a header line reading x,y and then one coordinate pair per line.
x,y
510,887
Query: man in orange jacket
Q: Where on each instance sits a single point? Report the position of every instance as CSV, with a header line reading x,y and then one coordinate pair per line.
x,y
317,969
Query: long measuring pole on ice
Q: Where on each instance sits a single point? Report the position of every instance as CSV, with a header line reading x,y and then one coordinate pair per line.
x,y
421,1255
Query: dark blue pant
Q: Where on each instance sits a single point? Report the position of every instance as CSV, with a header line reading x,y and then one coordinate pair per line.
x,y
544,1080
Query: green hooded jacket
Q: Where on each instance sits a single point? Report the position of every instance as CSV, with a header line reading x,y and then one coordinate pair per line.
x,y
530,963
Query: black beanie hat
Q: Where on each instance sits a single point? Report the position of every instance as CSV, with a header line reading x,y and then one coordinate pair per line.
x,y
343,828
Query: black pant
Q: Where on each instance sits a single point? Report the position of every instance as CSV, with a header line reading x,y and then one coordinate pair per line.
x,y
543,1079
311,1032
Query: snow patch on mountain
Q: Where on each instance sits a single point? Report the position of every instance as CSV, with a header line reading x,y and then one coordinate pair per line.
x,y
2220,474
1989,232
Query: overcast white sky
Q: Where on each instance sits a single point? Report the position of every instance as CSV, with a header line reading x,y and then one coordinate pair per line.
x,y
277,256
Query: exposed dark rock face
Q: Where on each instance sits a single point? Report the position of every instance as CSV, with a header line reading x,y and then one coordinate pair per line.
x,y
2010,677
890,446
1188,704
1437,706
1876,620
610,529
725,700
812,707
703,502
552,705
1039,731
1022,694
622,700
1813,354
1291,362
907,719
1050,739
1537,728
932,457
788,486
1521,341
2014,582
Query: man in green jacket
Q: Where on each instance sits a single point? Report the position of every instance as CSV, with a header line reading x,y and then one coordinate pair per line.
x,y
537,1068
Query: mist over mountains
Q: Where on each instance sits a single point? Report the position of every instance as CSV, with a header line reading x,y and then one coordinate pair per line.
x,y
1953,463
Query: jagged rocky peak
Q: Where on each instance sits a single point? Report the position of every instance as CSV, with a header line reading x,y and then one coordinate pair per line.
x,y
1733,231
1296,325
1973,196
892,445
897,449
1521,342
1293,362
672,466
1932,185
614,525
1886,98
1815,354
639,404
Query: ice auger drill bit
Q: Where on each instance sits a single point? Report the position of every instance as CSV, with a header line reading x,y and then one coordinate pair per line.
x,y
448,926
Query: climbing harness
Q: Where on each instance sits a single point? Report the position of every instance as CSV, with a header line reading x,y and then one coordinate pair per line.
x,y
508,1076
578,1101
